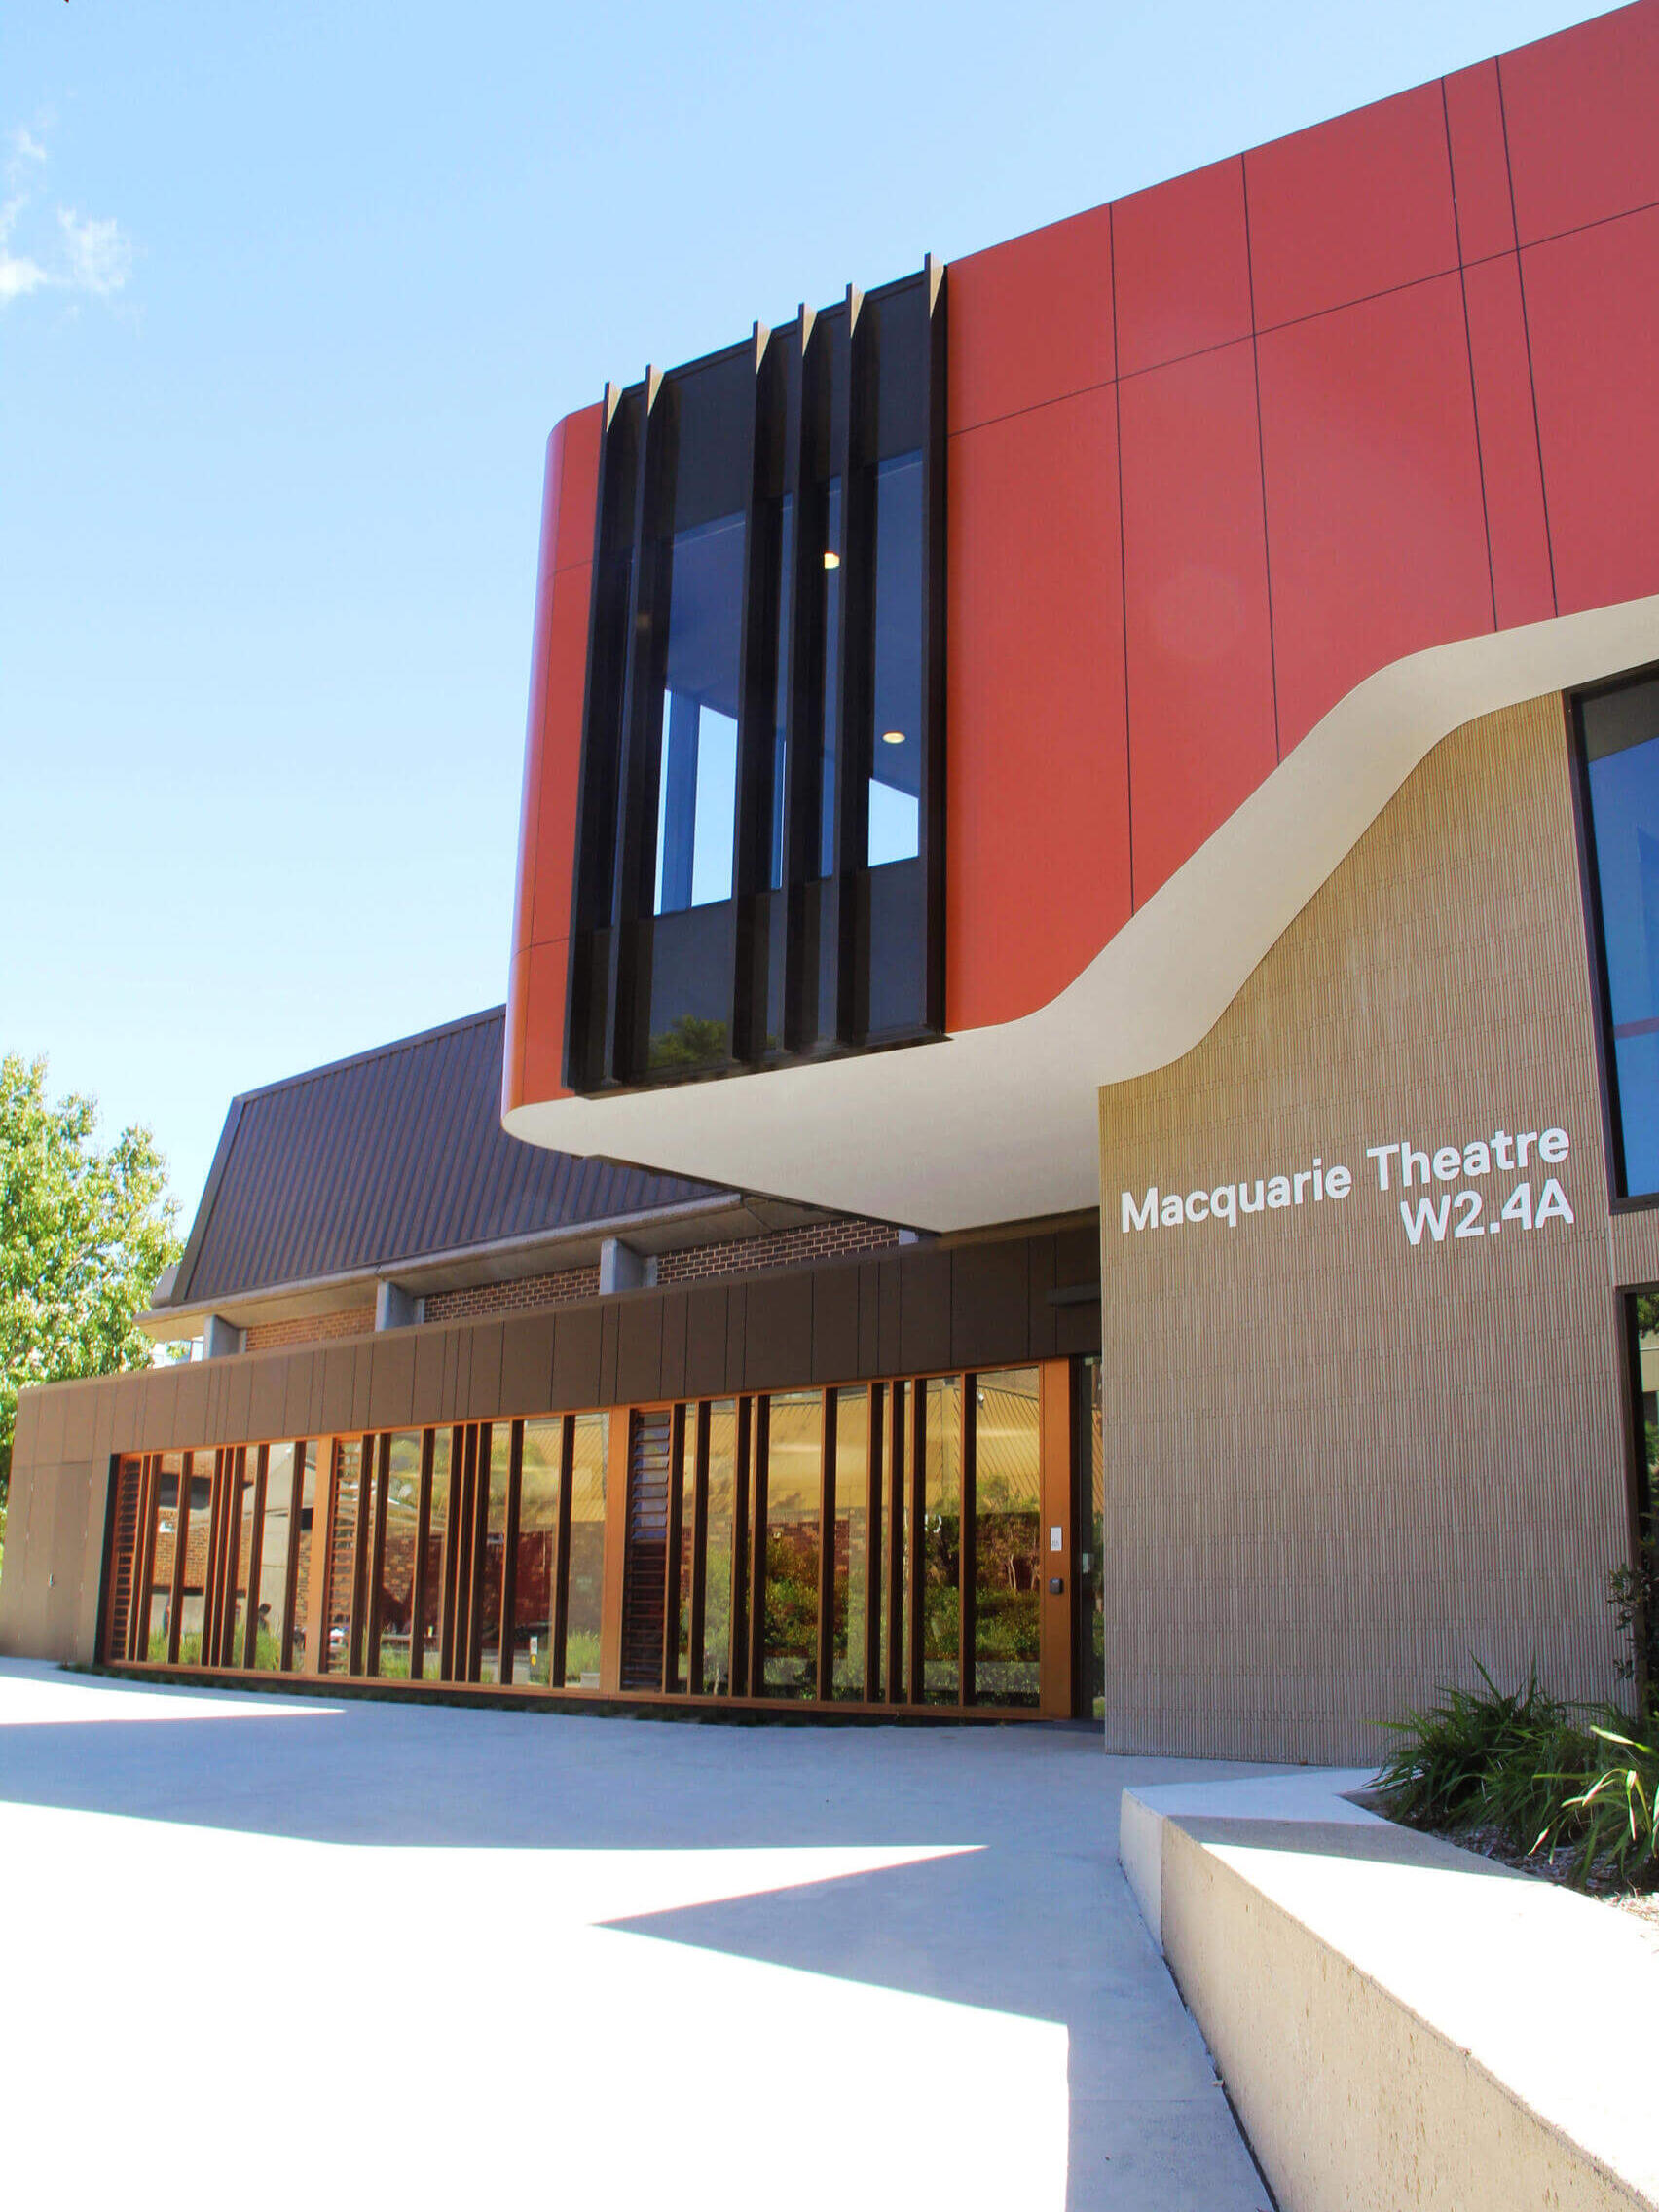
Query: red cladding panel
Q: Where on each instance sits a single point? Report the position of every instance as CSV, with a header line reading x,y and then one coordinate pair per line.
x,y
1182,267
1356,207
1038,858
1195,562
1521,585
530,791
560,754
579,487
1480,164
1583,116
1031,320
1593,312
1375,527
536,1027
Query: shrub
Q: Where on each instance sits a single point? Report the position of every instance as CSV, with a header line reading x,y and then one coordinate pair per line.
x,y
1542,1774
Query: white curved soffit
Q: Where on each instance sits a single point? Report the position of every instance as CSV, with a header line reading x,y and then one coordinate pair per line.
x,y
1001,1123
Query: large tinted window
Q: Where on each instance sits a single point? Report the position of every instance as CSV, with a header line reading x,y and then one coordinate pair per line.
x,y
1621,744
759,819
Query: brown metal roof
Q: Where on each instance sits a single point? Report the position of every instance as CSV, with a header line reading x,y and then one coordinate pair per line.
x,y
385,1158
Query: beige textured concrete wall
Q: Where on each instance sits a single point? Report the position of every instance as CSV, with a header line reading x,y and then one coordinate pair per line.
x,y
1341,1468
1388,2014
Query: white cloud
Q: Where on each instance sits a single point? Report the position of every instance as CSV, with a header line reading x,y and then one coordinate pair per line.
x,y
99,255
92,254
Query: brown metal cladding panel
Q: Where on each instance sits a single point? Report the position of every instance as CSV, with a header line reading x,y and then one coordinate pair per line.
x,y
458,1374
159,1426
638,1349
737,1325
1042,1309
608,1333
213,1374
835,1324
1076,1329
990,1303
25,1427
78,1402
68,1542
426,1391
1077,1257
673,1313
778,1339
51,1412
576,1336
392,1380
129,1416
526,1364
86,1637
235,1415
13,1569
189,1410
870,1319
706,1372
890,1316
267,1395
1345,1469
339,1374
924,1321
484,1376
297,1395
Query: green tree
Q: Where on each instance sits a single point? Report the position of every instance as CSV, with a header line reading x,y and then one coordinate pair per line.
x,y
84,1233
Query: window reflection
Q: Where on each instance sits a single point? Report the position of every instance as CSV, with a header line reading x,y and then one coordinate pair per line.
x,y
498,1475
537,1540
719,1548
941,1544
345,1510
586,1571
1007,1552
1621,742
196,1528
244,1531
894,781
271,1609
850,1571
795,1452
433,1650
304,1540
157,1608
399,1554
896,1548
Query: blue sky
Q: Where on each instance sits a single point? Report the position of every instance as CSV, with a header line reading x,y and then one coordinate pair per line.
x,y
289,299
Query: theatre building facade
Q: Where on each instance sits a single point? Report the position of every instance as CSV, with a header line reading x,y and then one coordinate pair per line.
x,y
1091,831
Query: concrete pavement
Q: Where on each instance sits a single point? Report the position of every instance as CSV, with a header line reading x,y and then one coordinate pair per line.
x,y
414,1953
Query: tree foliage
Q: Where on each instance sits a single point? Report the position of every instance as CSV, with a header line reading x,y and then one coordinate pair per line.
x,y
84,1233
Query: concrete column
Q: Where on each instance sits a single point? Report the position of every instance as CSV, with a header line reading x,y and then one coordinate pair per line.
x,y
220,1337
396,1308
621,1268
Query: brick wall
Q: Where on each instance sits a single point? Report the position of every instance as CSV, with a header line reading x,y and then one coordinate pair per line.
x,y
530,1291
783,1248
698,1263
311,1329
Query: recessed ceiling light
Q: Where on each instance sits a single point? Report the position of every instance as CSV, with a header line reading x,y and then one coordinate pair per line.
x,y
893,737
832,560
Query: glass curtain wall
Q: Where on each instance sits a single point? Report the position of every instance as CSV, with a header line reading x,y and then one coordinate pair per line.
x,y
872,1543
1007,1558
1621,758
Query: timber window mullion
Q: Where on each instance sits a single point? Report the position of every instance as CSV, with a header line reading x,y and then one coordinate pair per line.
x,y
967,1549
423,1592
255,1561
559,1596
291,1572
671,1552
825,1664
695,1626
874,1687
138,1611
181,1542
382,1451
